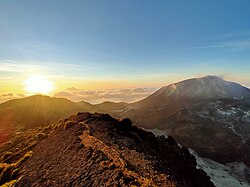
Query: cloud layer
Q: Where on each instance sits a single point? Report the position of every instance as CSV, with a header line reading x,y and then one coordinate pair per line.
x,y
98,96
9,96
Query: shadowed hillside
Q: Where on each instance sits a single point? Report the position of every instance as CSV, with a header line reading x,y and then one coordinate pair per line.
x,y
36,111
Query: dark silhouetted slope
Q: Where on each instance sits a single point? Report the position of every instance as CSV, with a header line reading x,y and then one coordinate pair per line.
x,y
40,110
36,111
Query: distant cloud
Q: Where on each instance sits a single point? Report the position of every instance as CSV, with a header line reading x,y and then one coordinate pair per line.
x,y
235,45
21,95
243,80
12,66
57,69
98,96
8,96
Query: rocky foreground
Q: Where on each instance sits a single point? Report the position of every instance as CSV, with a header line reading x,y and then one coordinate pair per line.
x,y
97,150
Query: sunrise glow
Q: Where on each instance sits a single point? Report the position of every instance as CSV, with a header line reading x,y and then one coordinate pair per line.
x,y
38,84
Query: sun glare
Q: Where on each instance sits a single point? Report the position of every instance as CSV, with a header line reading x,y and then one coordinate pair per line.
x,y
38,84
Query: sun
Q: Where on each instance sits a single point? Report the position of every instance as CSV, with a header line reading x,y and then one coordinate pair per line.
x,y
38,84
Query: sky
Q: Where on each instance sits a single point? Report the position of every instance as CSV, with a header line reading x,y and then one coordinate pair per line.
x,y
115,45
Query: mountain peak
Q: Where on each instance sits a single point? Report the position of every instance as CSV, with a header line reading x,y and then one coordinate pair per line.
x,y
200,80
208,87
196,89
211,77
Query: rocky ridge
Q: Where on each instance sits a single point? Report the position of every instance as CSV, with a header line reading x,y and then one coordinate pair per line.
x,y
98,150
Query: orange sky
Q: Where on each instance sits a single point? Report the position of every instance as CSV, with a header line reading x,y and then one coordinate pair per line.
x,y
11,86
